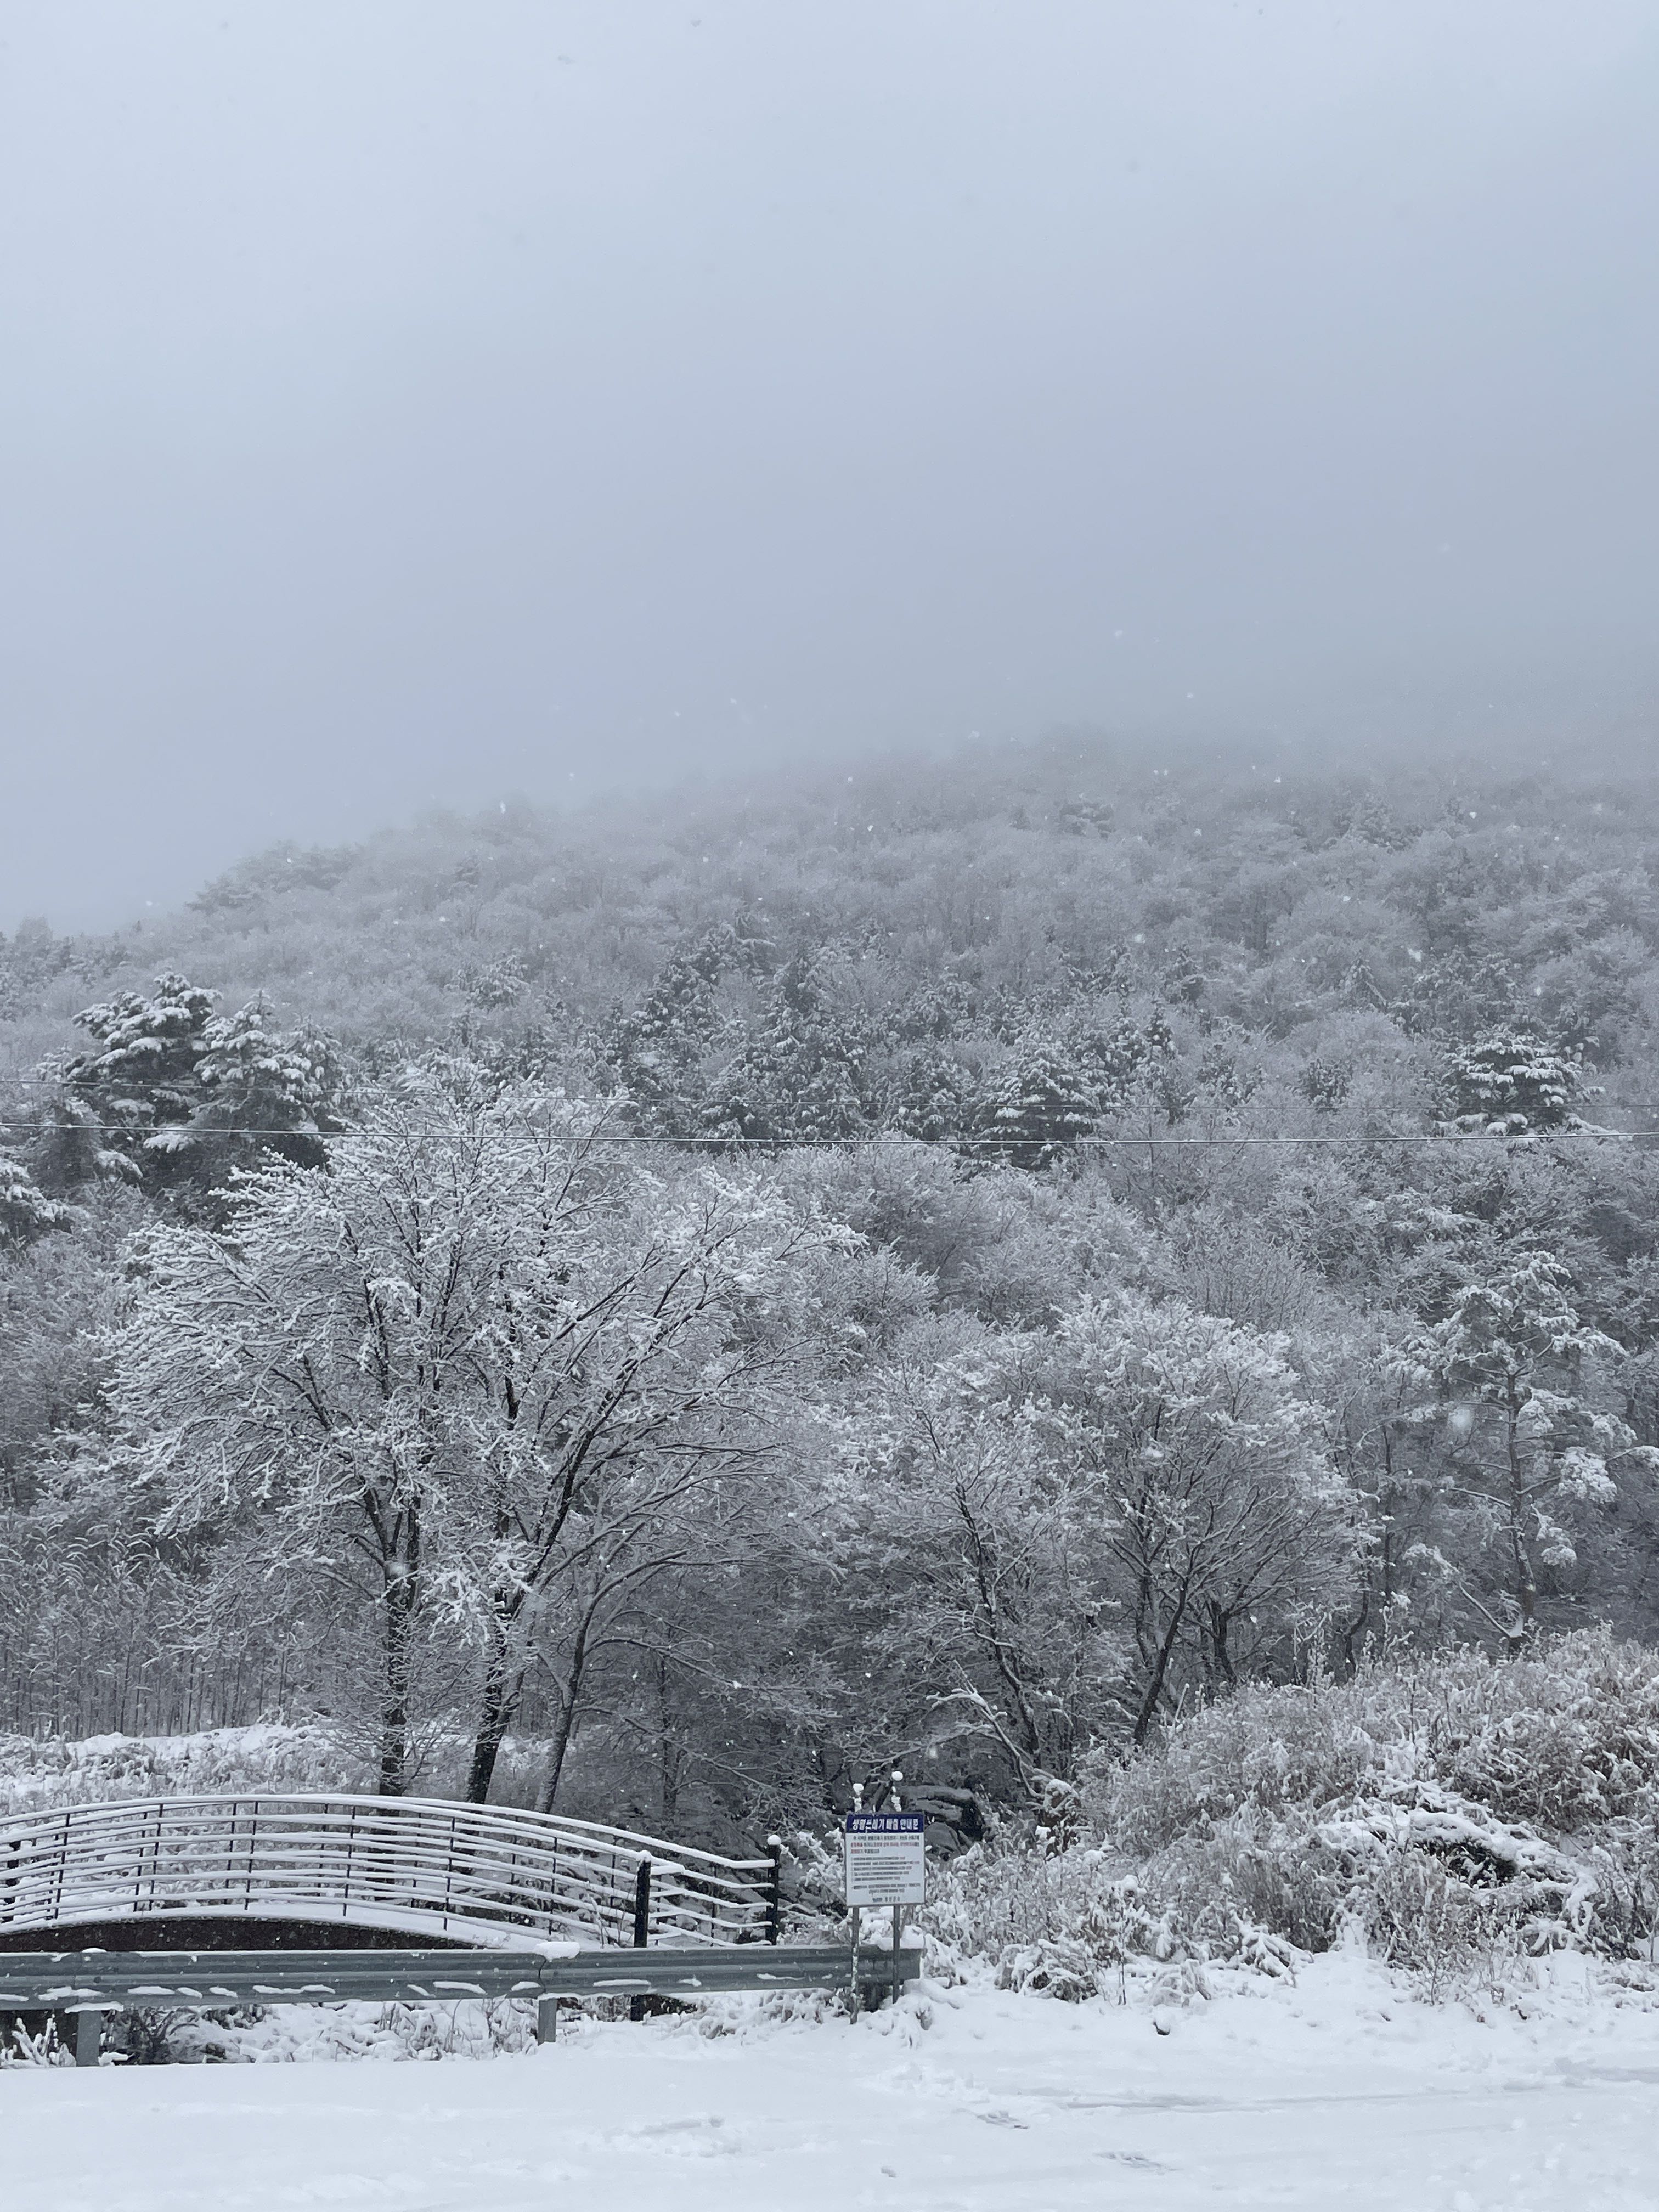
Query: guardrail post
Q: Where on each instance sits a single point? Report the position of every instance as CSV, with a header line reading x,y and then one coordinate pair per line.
x,y
642,1925
774,1890
547,2019
88,2036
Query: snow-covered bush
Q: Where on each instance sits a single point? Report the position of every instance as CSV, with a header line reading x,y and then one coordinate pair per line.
x,y
1566,1734
1012,1893
1235,1891
1056,1923
1259,1749
36,1773
1066,1923
1448,1812
1419,1915
287,2034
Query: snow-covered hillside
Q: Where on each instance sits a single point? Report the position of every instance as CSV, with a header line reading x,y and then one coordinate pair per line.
x,y
1339,2090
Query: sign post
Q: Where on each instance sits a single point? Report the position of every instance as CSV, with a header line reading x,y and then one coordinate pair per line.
x,y
886,1866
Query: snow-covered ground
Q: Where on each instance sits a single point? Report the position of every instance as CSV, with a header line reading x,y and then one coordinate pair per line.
x,y
1341,2090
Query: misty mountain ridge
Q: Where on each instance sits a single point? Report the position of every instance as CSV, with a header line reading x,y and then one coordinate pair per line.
x,y
1267,898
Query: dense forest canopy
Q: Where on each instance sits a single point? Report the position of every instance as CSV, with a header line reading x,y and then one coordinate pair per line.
x,y
671,1309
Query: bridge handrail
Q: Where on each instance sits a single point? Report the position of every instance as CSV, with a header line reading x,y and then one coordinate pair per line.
x,y
507,1819
410,1861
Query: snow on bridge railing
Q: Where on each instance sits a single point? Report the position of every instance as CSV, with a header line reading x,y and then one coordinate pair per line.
x,y
481,1873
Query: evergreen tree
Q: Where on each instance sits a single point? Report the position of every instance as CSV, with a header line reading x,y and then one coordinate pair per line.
x,y
929,1094
177,1096
657,1053
259,1090
26,1211
1513,1082
1044,1101
140,1078
1517,1367
804,1075
69,1147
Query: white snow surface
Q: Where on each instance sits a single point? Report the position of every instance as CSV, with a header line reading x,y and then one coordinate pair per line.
x,y
1341,2090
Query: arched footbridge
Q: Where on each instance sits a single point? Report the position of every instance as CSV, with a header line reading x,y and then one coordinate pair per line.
x,y
308,1869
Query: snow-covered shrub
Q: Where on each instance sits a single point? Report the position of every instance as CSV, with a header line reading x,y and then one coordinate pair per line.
x,y
1260,1750
1566,1734
42,2047
1235,1891
1419,1915
1441,1804
1454,1811
287,2034
1058,1966
1065,1924
1050,1920
37,1773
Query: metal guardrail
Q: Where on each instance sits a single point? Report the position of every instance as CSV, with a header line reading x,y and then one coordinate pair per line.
x,y
482,1874
92,1982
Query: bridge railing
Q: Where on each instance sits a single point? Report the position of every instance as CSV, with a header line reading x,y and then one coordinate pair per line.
x,y
481,1872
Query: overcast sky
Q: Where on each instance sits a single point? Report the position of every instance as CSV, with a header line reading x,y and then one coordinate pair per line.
x,y
405,400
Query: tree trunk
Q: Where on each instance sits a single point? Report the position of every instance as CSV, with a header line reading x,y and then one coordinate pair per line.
x,y
555,1758
1223,1676
1160,1671
668,1751
498,1702
561,1734
500,1699
1526,1585
402,1587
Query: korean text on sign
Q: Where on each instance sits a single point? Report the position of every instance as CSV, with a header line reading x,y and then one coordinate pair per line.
x,y
885,1858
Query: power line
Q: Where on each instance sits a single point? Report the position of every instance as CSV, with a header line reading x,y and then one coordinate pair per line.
x,y
872,1136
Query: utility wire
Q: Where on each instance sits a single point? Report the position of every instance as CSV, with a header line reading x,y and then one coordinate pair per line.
x,y
824,1144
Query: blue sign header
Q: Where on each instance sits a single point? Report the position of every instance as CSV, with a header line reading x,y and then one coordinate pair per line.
x,y
886,1823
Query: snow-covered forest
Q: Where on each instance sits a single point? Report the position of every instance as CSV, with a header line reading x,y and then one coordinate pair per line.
x,y
666,1312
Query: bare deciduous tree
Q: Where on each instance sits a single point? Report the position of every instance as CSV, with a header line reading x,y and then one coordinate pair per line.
x,y
478,1373
1229,1521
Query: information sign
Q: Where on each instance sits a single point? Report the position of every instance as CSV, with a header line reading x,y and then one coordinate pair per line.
x,y
885,1858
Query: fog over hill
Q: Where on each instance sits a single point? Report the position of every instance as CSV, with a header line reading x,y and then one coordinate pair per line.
x,y
401,410
1274,893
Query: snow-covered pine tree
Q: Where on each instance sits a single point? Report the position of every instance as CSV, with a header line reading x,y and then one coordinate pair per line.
x,y
657,1052
26,1211
70,1146
929,1094
803,1075
1513,1082
257,1090
1517,1367
1046,1099
182,1095
140,1077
